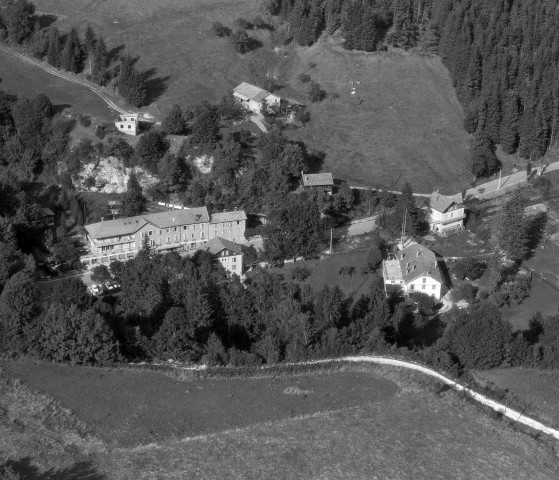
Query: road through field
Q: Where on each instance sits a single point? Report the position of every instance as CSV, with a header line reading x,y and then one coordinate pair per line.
x,y
68,78
501,409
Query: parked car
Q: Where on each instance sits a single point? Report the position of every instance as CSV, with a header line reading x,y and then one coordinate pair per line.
x,y
96,289
111,286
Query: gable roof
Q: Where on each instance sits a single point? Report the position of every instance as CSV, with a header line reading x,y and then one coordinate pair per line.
x,y
441,203
228,216
46,212
130,225
217,244
417,261
113,228
251,92
317,179
178,217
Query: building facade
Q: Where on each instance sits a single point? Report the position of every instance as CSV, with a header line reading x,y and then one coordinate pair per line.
x,y
228,253
413,269
128,124
446,214
180,230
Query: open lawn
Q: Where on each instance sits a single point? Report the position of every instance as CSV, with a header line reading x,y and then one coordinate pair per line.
x,y
326,272
119,404
172,39
423,432
404,124
18,77
537,389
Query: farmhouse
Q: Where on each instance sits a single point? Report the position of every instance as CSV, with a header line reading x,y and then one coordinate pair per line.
x,y
229,254
128,124
414,269
253,98
323,181
180,230
446,214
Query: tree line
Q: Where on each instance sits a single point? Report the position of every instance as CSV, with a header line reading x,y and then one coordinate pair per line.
x,y
72,52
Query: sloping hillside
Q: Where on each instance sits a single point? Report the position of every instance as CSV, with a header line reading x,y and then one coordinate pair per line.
x,y
404,122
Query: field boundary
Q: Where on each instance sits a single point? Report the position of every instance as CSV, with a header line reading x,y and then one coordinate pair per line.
x,y
514,415
56,73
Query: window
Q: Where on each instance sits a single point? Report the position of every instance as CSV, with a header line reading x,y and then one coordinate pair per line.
x,y
159,232
234,267
192,235
234,259
174,229
411,288
238,222
168,239
202,235
129,126
152,243
434,287
150,233
194,227
230,224
424,280
159,241
423,287
176,238
185,227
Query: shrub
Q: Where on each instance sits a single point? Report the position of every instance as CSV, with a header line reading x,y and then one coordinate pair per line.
x,y
243,23
316,93
426,304
465,292
89,183
302,115
84,120
468,268
304,78
346,270
220,30
100,132
300,273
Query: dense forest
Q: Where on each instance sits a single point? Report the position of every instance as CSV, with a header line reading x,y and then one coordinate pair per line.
x,y
502,56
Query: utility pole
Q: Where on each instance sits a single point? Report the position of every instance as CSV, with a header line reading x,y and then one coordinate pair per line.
x,y
500,170
330,241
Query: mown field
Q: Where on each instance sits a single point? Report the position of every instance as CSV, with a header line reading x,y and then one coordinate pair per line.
x,y
388,424
18,77
537,389
403,124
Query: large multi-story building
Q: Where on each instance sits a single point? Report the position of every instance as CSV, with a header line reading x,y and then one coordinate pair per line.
x,y
180,230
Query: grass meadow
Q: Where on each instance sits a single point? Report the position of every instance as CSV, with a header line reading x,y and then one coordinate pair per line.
x,y
403,124
537,389
372,422
18,77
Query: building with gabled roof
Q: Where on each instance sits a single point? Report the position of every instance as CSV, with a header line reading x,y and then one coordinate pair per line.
x,y
324,181
185,229
253,98
228,253
446,213
128,124
414,269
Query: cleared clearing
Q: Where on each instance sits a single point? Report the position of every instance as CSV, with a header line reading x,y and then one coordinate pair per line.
x,y
537,389
18,77
423,432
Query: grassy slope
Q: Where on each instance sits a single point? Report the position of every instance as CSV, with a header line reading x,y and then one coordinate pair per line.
x,y
173,37
63,94
538,389
424,432
403,124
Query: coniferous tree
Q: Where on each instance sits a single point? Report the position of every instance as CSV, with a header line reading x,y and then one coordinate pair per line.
x,y
99,62
512,233
175,123
131,84
71,56
53,50
18,16
509,125
484,159
133,202
89,44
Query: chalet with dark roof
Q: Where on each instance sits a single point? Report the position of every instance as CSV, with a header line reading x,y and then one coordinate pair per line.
x,y
323,181
446,213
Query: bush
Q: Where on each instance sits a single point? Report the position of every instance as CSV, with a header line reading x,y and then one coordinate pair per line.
x,y
304,78
100,132
346,270
465,292
243,23
426,304
316,93
89,183
302,115
468,268
300,273
84,120
220,30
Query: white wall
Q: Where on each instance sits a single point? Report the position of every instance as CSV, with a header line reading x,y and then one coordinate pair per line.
x,y
432,286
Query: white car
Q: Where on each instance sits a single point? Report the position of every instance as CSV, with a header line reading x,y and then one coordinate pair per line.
x,y
96,289
111,286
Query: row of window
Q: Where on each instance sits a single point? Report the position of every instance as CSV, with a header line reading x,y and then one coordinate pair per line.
x,y
423,287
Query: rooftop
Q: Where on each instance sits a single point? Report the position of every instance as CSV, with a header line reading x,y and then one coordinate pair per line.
x,y
317,179
251,92
113,228
178,217
417,261
441,202
391,270
228,216
217,244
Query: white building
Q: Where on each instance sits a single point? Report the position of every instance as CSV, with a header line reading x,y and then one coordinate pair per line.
x,y
227,253
180,230
414,269
253,98
446,214
128,124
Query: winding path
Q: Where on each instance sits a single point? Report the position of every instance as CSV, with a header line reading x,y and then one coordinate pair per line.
x,y
514,415
55,72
